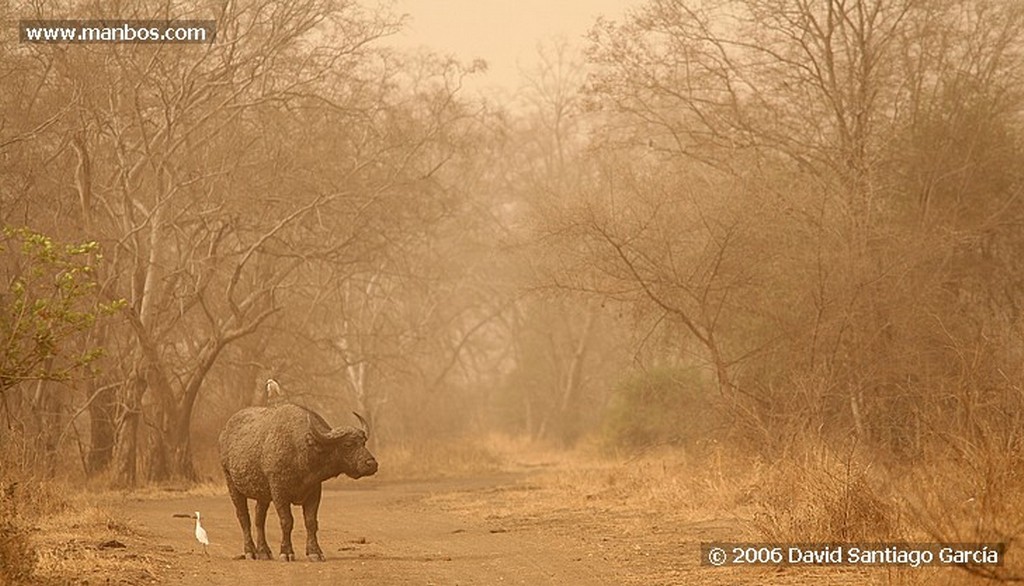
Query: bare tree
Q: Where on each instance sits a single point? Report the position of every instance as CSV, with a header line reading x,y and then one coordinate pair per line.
x,y
163,173
837,122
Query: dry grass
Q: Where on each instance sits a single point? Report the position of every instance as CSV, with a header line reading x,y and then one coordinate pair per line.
x,y
962,496
649,512
821,496
669,482
157,492
17,557
971,494
644,512
55,535
70,549
438,459
696,484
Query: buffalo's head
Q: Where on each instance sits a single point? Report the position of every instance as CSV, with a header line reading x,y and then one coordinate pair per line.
x,y
345,449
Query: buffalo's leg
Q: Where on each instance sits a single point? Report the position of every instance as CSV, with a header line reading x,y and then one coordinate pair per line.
x,y
284,512
242,512
262,548
309,510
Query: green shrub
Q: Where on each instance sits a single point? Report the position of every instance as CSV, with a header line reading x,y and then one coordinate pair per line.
x,y
662,406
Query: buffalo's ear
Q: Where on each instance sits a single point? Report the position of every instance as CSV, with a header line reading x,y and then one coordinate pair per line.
x,y
319,438
319,443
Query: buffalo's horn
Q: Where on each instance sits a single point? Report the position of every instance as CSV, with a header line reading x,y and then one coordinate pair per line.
x,y
325,438
366,426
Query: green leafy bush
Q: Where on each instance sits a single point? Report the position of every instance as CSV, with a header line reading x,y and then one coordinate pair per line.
x,y
48,294
663,406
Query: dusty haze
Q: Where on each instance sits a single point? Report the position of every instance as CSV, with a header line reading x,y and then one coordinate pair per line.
x,y
504,33
745,271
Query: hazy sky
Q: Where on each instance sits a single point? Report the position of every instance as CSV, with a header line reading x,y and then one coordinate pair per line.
x,y
503,32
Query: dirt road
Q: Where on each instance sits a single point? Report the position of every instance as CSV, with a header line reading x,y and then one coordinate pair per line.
x,y
374,533
510,528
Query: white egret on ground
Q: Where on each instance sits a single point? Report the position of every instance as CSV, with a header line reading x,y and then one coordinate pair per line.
x,y
201,535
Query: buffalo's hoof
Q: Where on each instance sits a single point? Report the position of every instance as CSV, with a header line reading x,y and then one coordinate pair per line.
x,y
315,557
288,557
246,556
264,555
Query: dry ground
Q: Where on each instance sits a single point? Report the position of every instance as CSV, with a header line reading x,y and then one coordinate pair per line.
x,y
545,522
500,528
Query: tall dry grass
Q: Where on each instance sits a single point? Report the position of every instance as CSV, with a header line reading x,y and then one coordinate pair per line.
x,y
441,458
53,532
820,494
17,553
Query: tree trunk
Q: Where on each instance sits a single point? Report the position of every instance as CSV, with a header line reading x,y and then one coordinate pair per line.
x,y
178,444
46,421
569,420
181,458
528,414
102,432
158,468
125,451
172,446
